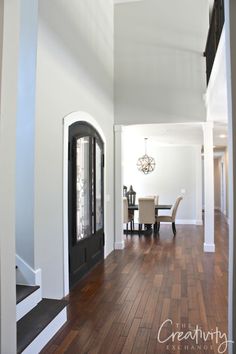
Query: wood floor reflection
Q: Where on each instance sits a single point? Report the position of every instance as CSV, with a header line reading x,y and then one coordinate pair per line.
x,y
120,306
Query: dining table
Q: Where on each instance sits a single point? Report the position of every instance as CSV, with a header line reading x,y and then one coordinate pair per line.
x,y
157,207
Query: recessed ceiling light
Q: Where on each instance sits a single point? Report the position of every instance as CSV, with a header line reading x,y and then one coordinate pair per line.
x,y
222,136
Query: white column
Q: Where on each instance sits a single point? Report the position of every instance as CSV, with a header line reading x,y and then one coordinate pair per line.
x,y
209,242
8,112
119,235
198,217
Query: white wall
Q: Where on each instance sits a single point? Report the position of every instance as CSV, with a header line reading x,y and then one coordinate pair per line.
x,y
25,134
230,26
226,160
1,39
1,44
217,183
216,95
8,111
159,64
74,73
177,168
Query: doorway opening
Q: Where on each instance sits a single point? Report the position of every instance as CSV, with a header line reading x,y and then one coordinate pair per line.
x,y
85,199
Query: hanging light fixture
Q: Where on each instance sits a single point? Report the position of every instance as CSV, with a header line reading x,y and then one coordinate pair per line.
x,y
146,164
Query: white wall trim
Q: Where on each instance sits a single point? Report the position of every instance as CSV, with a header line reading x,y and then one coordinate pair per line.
x,y
217,208
209,247
44,337
179,222
118,141
26,275
26,305
68,121
186,222
120,245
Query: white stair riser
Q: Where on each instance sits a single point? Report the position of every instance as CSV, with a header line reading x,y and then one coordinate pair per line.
x,y
46,335
26,305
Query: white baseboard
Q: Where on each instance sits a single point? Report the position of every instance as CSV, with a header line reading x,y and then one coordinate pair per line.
x,y
107,252
119,245
209,247
28,304
187,222
25,274
182,222
46,335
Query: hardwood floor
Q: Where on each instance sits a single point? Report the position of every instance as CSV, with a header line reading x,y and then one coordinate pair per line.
x,y
120,306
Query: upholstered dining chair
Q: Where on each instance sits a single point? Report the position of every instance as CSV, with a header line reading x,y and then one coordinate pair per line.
x,y
146,207
127,217
169,218
156,198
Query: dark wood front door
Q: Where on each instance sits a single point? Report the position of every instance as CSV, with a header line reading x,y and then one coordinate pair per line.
x,y
85,199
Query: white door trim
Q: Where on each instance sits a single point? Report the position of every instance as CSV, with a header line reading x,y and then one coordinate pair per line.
x,y
68,121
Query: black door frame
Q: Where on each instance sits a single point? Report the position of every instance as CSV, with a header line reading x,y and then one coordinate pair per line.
x,y
91,248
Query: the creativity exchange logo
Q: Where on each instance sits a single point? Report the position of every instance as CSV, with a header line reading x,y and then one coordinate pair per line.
x,y
195,335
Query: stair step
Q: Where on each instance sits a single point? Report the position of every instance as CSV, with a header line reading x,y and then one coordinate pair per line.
x,y
23,291
34,322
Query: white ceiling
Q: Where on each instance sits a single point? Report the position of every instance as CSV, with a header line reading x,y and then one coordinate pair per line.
x,y
177,134
159,63
160,71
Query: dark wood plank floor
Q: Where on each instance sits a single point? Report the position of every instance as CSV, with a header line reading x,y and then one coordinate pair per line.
x,y
121,305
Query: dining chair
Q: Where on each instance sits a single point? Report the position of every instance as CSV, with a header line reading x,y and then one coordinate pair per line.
x,y
156,198
127,217
169,218
146,207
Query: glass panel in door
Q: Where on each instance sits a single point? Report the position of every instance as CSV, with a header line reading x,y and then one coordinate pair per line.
x,y
82,188
99,214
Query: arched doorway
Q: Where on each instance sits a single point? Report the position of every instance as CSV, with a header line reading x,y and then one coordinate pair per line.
x,y
85,199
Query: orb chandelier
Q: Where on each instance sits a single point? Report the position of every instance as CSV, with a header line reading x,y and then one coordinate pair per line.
x,y
146,164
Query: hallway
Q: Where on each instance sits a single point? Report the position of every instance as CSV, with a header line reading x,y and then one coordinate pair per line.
x,y
120,306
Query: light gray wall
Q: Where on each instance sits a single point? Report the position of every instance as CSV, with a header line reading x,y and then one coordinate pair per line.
x,y
25,134
1,44
230,12
1,39
8,111
159,64
74,73
177,168
217,183
227,180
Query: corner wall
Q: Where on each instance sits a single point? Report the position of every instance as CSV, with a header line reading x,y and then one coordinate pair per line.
x,y
217,183
230,26
25,132
8,111
74,73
